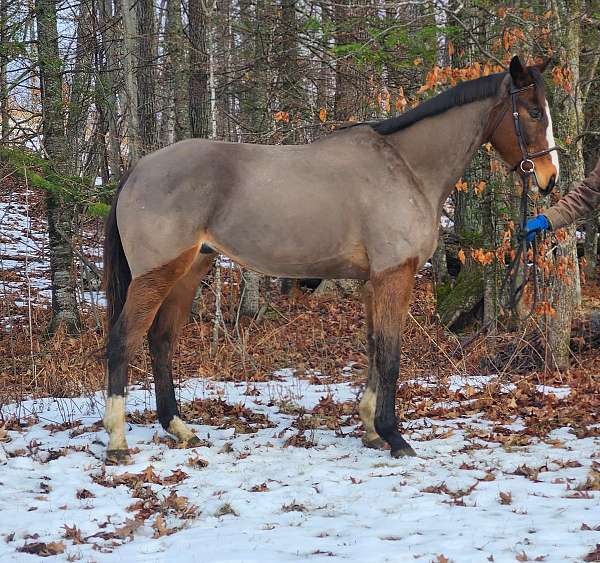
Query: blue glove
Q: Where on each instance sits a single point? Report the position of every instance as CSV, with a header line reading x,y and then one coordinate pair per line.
x,y
535,225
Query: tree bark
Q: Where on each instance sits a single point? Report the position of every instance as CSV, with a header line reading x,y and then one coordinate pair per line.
x,y
80,98
351,100
129,19
254,112
4,110
146,76
459,304
106,84
591,248
568,109
250,299
199,98
61,213
176,72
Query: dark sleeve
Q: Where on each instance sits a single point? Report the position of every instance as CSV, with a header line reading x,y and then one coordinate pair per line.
x,y
579,202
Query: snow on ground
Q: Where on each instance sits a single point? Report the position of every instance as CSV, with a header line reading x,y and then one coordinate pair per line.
x,y
22,249
24,261
257,500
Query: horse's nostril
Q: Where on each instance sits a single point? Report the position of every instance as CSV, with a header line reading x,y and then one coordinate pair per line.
x,y
551,182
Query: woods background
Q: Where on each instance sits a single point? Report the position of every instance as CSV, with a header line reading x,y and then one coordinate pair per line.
x,y
87,88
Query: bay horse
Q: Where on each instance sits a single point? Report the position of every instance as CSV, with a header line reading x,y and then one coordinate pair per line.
x,y
363,202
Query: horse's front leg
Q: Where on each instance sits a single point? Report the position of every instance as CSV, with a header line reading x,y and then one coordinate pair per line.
x,y
368,403
391,291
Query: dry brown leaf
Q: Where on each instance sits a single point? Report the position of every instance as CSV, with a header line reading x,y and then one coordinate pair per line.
x,y
43,549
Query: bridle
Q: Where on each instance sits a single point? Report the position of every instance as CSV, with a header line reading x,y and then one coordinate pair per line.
x,y
526,164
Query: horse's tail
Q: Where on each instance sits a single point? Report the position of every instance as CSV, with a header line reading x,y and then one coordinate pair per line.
x,y
117,275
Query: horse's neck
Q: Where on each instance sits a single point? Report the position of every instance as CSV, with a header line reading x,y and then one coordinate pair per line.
x,y
439,149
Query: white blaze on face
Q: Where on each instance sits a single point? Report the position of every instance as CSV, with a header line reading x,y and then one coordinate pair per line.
x,y
550,140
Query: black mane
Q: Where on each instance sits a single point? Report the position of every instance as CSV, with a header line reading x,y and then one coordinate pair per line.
x,y
461,94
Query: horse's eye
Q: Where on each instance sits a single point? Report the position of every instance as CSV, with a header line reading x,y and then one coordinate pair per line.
x,y
535,114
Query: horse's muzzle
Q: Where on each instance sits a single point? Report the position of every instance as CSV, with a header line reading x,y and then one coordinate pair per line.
x,y
549,187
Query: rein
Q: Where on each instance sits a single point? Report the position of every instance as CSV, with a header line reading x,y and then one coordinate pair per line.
x,y
527,168
511,278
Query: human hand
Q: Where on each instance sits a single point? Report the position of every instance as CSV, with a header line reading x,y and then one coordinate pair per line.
x,y
536,225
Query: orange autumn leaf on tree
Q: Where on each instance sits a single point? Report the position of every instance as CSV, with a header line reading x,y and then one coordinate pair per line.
x,y
322,115
563,77
401,102
461,256
482,256
544,308
461,185
282,116
561,235
450,48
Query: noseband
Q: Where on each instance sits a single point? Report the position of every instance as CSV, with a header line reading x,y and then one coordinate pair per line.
x,y
526,164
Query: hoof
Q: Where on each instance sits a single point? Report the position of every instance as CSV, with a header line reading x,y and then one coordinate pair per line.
x,y
193,442
374,443
118,457
404,452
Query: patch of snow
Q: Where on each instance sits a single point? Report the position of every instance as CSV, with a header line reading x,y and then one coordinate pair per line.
x,y
558,392
335,499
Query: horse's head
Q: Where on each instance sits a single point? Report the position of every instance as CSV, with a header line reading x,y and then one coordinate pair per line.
x,y
522,133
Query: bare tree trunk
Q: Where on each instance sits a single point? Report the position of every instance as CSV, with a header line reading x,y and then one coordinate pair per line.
x,y
250,300
351,99
591,248
80,99
591,146
325,75
106,84
129,18
199,99
439,263
60,212
461,303
253,106
146,76
4,111
225,51
176,71
564,290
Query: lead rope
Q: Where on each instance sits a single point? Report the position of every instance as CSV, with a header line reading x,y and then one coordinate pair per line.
x,y
512,275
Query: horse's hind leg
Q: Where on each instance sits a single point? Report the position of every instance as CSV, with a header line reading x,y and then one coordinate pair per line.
x,y
390,300
144,297
162,339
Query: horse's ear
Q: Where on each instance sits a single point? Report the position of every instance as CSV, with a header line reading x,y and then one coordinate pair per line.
x,y
549,61
517,71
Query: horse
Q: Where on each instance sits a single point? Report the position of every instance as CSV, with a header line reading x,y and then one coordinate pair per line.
x,y
363,202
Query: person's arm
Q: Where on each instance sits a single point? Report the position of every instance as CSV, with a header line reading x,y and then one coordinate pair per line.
x,y
578,203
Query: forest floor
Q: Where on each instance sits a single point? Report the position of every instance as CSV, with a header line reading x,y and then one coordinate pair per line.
x,y
508,465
